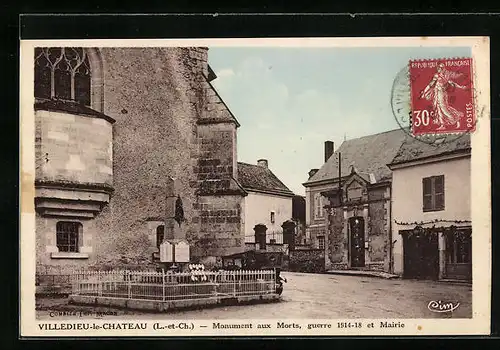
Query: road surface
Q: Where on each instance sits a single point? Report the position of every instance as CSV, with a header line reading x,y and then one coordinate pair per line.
x,y
324,296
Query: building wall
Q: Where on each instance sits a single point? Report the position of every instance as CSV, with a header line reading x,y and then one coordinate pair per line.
x,y
315,226
73,148
258,208
407,198
379,228
46,244
168,123
374,208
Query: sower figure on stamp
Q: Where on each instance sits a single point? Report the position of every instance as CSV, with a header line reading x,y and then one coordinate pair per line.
x,y
436,91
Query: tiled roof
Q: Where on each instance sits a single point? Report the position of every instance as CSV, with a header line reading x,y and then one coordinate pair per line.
x,y
259,178
369,155
413,149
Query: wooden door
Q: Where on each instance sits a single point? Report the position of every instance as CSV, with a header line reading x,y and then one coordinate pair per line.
x,y
421,255
357,241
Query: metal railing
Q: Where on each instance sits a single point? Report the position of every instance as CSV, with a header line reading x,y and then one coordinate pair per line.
x,y
167,286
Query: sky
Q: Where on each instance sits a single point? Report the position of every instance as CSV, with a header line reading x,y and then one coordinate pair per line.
x,y
289,101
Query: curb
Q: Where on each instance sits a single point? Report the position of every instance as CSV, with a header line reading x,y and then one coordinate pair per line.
x,y
364,274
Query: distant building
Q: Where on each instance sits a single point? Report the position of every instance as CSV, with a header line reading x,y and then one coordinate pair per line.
x,y
268,203
348,205
431,193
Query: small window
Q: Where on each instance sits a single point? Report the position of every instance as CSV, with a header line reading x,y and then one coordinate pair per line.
x,y
160,234
321,242
272,241
67,236
273,217
433,193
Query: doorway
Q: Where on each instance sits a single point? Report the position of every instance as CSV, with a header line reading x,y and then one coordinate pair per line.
x,y
357,241
421,255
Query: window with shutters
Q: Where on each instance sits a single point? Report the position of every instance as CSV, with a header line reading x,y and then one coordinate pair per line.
x,y
319,211
433,193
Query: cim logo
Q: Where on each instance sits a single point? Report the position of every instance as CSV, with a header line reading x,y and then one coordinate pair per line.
x,y
440,306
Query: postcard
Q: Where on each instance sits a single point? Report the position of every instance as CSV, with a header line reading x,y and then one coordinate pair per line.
x,y
255,187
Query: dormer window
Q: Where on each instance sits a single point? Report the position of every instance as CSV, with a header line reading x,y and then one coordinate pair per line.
x,y
62,73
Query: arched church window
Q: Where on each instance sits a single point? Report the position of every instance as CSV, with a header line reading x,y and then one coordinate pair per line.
x,y
62,73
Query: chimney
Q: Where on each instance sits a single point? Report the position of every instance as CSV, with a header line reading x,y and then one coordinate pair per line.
x,y
328,150
262,163
312,172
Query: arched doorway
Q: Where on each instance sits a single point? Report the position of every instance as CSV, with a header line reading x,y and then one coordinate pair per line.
x,y
357,241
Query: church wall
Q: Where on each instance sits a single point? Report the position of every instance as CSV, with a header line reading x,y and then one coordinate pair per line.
x,y
157,97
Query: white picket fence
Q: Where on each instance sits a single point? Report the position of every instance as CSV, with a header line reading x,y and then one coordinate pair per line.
x,y
168,286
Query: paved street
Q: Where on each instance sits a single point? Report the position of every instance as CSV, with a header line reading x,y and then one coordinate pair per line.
x,y
339,296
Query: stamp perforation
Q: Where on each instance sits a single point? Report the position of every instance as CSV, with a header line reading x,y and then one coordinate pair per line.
x,y
439,110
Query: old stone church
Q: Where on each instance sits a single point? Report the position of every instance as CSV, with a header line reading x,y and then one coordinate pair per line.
x,y
112,125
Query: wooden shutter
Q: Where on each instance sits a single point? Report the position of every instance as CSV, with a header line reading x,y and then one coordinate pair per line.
x,y
427,193
439,192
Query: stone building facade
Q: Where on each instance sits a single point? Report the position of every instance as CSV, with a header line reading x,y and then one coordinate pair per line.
x,y
348,202
112,124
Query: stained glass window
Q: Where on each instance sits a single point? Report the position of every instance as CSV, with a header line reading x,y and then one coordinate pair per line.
x,y
62,73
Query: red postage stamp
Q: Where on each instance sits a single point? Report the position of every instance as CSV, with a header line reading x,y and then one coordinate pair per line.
x,y
442,96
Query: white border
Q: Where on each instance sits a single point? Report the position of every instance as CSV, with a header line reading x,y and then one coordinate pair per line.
x,y
480,195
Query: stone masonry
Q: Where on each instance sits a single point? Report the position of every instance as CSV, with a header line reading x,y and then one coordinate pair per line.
x,y
169,121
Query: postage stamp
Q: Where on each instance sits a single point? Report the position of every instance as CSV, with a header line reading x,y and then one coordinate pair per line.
x,y
442,96
175,188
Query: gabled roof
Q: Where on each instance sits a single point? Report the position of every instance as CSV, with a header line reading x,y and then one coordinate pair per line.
x,y
218,111
413,149
211,74
368,154
261,179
